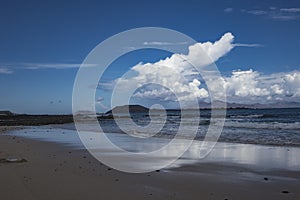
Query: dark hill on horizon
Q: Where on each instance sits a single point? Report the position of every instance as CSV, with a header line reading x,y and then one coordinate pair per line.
x,y
132,108
203,105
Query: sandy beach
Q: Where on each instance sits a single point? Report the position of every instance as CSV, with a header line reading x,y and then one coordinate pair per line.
x,y
158,100
55,171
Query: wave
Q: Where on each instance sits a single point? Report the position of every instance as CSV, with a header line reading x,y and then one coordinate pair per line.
x,y
258,116
247,116
263,125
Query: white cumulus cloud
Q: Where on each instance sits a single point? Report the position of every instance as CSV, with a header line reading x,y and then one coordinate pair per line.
x,y
172,73
253,87
291,84
244,83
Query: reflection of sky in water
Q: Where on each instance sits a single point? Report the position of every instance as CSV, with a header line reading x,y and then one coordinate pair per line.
x,y
262,157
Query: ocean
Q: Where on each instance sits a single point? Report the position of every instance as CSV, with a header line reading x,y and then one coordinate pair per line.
x,y
278,126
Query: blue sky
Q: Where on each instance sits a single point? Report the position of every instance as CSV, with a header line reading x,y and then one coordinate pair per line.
x,y
42,43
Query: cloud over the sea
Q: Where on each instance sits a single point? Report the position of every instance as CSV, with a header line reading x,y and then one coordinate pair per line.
x,y
174,73
178,76
253,87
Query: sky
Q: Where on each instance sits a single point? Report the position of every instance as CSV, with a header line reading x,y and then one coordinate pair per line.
x,y
254,44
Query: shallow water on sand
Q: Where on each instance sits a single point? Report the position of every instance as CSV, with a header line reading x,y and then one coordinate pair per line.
x,y
253,156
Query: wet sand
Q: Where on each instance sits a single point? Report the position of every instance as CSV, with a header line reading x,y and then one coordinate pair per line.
x,y
56,171
4,129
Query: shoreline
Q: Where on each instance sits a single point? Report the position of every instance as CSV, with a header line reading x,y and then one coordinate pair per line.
x,y
49,129
4,129
71,126
251,156
57,171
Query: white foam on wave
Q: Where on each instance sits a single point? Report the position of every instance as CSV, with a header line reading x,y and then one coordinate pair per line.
x,y
263,125
246,116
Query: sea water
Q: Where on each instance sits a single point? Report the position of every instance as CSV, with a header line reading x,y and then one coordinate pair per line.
x,y
279,127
